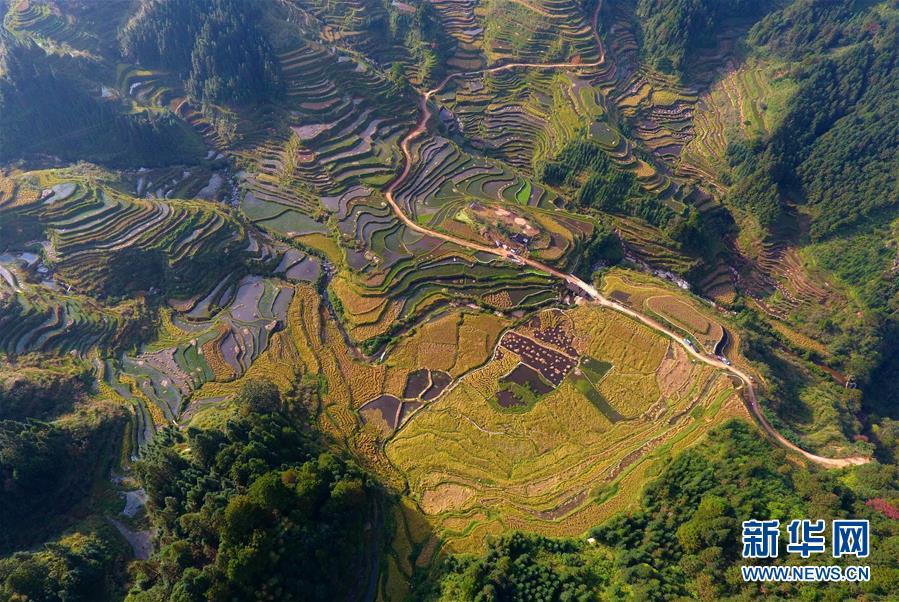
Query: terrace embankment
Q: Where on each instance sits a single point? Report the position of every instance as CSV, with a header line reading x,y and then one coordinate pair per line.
x,y
590,292
534,461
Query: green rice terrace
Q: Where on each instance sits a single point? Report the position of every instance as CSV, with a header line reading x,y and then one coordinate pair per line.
x,y
399,290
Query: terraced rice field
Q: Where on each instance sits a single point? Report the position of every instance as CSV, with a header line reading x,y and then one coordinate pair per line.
x,y
645,244
538,31
89,240
686,315
747,102
348,22
214,338
396,274
89,226
223,348
452,191
439,368
660,109
316,169
707,334
342,132
365,401
475,469
83,236
46,25
459,21
45,318
518,116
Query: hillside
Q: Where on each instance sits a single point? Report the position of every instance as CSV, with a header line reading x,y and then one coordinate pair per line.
x,y
443,299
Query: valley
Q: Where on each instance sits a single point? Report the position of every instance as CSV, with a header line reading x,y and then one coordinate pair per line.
x,y
423,286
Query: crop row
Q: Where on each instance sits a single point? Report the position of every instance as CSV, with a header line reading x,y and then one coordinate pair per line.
x,y
460,22
537,31
343,130
46,23
92,226
37,319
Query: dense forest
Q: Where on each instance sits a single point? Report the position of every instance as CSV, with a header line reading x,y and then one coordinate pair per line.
x,y
45,109
604,249
215,46
256,510
41,394
834,147
597,184
49,466
56,445
673,30
691,516
799,28
83,566
520,567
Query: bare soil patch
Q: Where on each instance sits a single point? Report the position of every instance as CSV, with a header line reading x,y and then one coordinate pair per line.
x,y
445,497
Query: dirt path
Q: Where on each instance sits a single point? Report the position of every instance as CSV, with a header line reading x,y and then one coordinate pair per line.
x,y
590,291
141,542
748,385
531,7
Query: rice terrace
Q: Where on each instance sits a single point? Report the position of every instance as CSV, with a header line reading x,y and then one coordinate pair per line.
x,y
441,299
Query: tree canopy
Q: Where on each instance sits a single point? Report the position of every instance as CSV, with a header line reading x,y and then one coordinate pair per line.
x,y
256,510
672,30
215,46
46,109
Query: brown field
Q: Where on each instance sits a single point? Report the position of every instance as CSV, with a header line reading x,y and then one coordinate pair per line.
x,y
444,497
675,372
551,364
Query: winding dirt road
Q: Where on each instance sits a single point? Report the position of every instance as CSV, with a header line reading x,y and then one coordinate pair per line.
x,y
420,127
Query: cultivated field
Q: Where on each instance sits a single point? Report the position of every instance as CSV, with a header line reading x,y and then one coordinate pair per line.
x,y
458,377
610,399
687,315
476,467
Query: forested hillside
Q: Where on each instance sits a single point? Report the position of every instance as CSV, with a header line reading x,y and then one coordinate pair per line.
x,y
692,514
255,510
672,31
53,445
215,46
82,566
833,147
834,157
46,109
